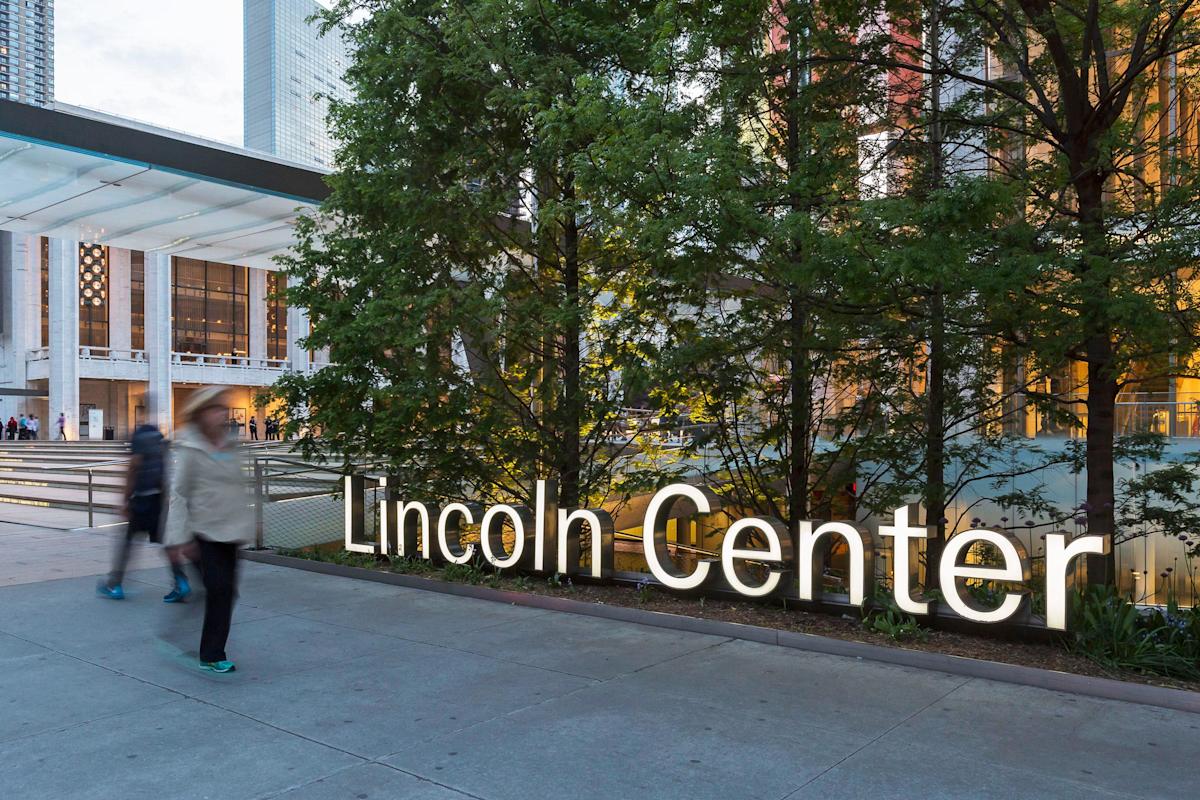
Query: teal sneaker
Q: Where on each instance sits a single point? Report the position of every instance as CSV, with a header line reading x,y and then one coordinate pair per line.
x,y
111,592
217,666
180,593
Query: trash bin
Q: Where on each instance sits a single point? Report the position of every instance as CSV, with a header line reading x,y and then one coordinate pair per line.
x,y
110,433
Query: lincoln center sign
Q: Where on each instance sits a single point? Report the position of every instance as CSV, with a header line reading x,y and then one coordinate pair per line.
x,y
547,539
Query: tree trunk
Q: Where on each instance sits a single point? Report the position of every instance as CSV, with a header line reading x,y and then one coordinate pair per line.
x,y
1102,375
935,433
799,416
568,457
935,387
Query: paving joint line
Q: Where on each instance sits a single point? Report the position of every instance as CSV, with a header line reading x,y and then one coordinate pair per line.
x,y
1049,680
872,741
194,698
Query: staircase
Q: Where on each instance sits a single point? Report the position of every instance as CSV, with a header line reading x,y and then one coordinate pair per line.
x,y
52,474
55,474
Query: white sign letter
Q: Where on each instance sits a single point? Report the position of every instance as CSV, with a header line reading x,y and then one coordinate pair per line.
x,y
732,554
904,533
491,535
654,535
456,554
1016,568
861,558
1059,556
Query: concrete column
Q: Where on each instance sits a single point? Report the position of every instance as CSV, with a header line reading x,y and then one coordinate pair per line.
x,y
159,340
258,314
119,321
297,330
64,336
20,314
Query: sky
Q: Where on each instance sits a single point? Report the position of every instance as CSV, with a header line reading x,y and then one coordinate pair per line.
x,y
172,63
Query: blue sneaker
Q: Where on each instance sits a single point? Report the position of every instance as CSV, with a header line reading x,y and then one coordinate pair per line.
x,y
111,592
217,666
179,593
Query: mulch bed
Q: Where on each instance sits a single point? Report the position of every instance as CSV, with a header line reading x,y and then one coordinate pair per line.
x,y
1028,654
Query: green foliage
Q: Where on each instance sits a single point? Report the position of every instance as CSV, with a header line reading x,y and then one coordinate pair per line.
x,y
1111,631
886,617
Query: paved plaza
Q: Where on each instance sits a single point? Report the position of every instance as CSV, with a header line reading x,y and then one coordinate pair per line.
x,y
354,689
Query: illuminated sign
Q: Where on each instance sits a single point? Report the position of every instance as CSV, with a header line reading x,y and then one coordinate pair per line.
x,y
548,539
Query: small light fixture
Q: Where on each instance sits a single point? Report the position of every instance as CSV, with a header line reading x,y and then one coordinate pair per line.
x,y
93,274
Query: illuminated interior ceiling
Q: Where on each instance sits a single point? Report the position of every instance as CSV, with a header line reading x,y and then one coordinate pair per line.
x,y
185,197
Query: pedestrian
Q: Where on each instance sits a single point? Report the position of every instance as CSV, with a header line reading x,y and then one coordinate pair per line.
x,y
145,495
23,428
254,429
209,507
33,425
12,428
62,425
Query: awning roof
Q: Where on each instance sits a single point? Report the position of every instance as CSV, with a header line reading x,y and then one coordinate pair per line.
x,y
87,177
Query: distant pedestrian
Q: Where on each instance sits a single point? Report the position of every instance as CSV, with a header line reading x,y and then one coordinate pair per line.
x,y
145,495
23,428
12,428
62,425
209,507
254,429
34,426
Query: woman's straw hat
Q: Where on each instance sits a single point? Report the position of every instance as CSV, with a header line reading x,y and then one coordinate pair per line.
x,y
204,398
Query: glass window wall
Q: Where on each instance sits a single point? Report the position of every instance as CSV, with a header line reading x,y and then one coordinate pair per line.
x,y
209,303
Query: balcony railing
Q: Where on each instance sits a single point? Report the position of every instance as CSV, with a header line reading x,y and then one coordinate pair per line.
x,y
196,359
227,362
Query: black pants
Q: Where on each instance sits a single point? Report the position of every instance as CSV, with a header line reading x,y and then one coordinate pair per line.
x,y
218,565
144,513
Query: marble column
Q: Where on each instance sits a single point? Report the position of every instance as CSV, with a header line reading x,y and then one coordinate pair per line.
x,y
258,316
119,275
159,340
20,314
297,329
64,337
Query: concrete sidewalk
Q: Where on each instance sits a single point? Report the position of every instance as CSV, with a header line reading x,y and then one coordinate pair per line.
x,y
353,689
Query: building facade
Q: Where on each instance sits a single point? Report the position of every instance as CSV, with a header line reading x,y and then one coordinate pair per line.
x,y
290,71
27,51
137,265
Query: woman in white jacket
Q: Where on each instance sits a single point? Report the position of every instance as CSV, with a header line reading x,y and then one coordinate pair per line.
x,y
210,506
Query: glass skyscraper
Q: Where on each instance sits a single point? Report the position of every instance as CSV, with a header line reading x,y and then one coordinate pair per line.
x,y
27,51
288,66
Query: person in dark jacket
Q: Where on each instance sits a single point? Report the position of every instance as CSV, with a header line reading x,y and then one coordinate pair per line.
x,y
145,500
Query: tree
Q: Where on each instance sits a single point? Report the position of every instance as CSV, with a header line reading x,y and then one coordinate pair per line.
x,y
1075,100
464,272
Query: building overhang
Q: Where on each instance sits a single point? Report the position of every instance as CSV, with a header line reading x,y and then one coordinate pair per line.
x,y
83,176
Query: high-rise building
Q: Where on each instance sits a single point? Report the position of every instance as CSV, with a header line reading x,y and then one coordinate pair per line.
x,y
27,51
289,69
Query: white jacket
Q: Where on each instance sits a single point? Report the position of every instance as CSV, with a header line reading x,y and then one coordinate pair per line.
x,y
209,495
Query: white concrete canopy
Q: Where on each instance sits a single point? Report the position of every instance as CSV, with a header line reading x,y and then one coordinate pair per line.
x,y
160,194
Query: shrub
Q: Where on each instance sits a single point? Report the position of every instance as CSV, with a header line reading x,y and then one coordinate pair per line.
x,y
1111,631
